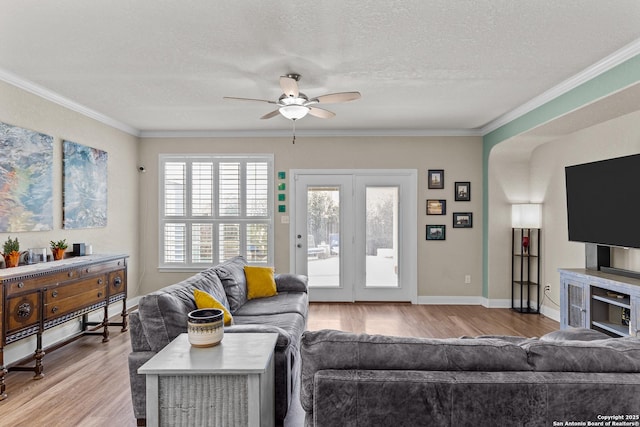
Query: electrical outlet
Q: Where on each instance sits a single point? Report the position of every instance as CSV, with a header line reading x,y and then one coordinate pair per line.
x,y
547,288
467,279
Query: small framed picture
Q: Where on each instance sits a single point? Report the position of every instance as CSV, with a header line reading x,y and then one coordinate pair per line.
x,y
436,207
462,220
435,179
463,191
436,232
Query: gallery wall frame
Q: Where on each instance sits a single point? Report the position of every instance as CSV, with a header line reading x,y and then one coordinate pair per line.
x,y
462,220
436,207
462,191
435,179
436,232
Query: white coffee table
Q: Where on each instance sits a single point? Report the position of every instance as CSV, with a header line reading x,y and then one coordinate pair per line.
x,y
231,384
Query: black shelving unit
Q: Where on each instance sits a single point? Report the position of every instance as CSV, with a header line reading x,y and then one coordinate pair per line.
x,y
525,270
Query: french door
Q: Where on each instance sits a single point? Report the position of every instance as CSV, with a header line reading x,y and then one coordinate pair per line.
x,y
354,234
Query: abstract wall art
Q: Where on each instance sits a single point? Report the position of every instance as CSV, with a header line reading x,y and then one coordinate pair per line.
x,y
85,186
26,189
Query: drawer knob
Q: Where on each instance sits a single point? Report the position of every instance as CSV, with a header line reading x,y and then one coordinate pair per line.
x,y
54,294
99,281
117,282
99,294
21,285
70,274
54,309
24,310
86,270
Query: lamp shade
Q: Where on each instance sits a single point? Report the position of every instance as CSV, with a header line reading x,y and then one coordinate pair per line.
x,y
526,215
294,112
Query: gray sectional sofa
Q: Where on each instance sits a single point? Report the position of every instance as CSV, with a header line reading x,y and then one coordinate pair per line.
x,y
162,315
567,376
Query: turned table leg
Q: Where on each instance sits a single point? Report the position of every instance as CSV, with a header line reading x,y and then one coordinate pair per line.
x,y
3,372
105,324
124,316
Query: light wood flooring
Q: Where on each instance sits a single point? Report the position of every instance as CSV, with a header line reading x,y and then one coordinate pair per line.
x,y
86,382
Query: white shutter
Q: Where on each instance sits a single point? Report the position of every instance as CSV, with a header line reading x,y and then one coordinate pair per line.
x,y
257,243
202,189
215,207
174,243
229,189
175,188
202,243
257,190
229,241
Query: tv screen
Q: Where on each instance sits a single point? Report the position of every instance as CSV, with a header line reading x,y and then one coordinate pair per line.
x,y
603,202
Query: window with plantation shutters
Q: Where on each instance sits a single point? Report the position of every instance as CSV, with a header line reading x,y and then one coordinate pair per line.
x,y
215,207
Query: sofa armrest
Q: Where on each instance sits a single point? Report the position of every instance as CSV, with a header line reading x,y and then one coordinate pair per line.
x,y
136,332
289,282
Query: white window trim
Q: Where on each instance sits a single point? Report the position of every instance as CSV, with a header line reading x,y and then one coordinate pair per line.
x,y
269,219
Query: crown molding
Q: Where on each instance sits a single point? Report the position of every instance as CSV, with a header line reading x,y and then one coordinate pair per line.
x,y
49,95
629,51
310,133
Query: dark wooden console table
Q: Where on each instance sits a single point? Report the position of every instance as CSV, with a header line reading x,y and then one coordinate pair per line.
x,y
40,296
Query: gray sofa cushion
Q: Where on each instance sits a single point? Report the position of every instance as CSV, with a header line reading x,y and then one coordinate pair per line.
x,y
328,349
289,282
610,355
291,324
163,313
277,304
231,274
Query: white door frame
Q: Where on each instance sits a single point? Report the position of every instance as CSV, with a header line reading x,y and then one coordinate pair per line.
x,y
409,257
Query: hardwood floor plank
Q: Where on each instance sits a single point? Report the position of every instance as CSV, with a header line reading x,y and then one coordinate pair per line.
x,y
86,382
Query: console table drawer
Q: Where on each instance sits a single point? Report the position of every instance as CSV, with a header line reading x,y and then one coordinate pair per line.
x,y
68,290
22,312
75,302
35,283
104,267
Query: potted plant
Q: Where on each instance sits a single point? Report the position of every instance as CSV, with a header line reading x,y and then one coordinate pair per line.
x,y
57,248
11,252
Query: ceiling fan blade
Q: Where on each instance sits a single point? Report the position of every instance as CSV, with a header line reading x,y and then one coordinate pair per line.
x,y
321,113
271,114
233,98
334,98
289,86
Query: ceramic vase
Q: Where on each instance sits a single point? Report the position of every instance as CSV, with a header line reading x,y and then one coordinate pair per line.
x,y
205,327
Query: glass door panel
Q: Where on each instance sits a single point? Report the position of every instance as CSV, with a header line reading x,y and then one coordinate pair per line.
x,y
323,214
323,236
381,231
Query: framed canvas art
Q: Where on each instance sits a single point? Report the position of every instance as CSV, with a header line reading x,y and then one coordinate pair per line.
x,y
26,189
85,186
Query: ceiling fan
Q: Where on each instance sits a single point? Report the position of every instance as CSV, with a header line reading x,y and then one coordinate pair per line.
x,y
294,104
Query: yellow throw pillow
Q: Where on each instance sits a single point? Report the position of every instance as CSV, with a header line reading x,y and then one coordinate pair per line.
x,y
260,282
206,300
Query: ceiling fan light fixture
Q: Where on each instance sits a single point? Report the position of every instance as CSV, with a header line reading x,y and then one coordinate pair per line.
x,y
294,112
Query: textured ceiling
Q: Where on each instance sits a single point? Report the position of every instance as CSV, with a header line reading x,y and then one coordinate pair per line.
x,y
421,65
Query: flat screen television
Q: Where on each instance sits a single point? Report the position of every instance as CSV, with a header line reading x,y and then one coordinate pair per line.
x,y
603,202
